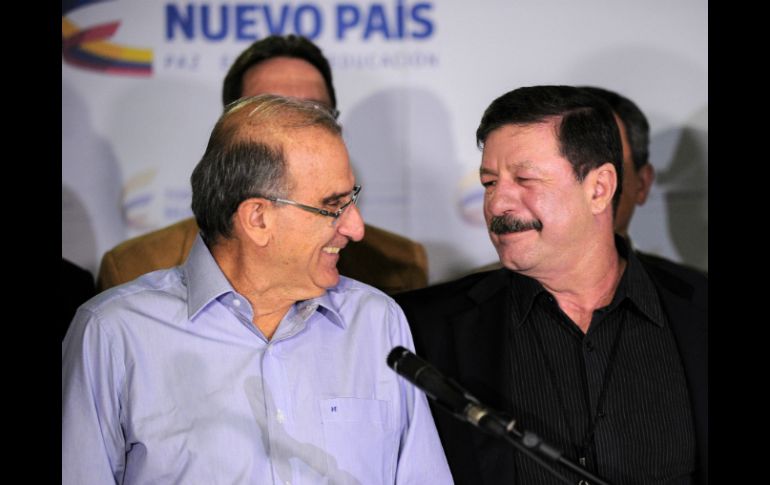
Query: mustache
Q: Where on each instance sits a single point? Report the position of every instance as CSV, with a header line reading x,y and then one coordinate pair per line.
x,y
508,224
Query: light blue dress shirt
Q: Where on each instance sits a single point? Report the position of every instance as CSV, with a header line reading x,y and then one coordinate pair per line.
x,y
166,380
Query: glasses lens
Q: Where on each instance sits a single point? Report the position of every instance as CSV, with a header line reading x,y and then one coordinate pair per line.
x,y
353,200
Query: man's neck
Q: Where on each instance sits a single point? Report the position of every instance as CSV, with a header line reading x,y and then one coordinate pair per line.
x,y
270,302
587,287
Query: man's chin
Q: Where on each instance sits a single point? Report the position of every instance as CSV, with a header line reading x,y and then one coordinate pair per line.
x,y
512,259
328,279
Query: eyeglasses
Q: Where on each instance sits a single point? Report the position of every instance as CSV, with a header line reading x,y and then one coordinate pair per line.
x,y
323,212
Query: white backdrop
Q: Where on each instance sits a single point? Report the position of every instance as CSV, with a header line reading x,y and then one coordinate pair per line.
x,y
412,80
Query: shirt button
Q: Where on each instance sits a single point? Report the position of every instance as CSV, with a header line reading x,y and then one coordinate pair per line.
x,y
600,414
279,416
589,346
237,302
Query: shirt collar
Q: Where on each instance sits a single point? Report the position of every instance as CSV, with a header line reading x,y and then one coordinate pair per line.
x,y
205,283
203,277
323,304
637,285
525,291
634,285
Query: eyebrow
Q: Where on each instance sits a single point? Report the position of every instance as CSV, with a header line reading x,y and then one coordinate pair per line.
x,y
486,171
335,197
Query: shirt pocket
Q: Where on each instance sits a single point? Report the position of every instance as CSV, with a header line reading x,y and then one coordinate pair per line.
x,y
359,438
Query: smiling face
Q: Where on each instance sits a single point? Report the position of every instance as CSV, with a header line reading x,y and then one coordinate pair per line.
x,y
306,245
538,214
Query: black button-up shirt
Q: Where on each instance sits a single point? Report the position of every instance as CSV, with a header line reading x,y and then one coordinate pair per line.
x,y
614,399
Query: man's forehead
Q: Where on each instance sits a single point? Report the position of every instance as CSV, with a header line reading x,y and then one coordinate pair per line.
x,y
317,149
286,76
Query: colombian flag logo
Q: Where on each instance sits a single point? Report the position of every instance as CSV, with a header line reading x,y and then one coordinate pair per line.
x,y
90,48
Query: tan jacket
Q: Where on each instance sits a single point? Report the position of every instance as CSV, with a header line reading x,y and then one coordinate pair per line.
x,y
382,259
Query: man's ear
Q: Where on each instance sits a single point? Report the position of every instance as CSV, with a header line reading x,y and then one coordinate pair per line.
x,y
646,176
252,218
602,184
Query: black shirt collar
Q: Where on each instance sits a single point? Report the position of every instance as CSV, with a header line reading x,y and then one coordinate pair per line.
x,y
635,285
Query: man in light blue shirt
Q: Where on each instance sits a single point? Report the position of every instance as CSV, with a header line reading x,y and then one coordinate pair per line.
x,y
254,362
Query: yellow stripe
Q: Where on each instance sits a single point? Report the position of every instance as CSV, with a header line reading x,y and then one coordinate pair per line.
x,y
113,51
68,29
107,49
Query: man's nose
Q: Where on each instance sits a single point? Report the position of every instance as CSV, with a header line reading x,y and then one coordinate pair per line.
x,y
351,224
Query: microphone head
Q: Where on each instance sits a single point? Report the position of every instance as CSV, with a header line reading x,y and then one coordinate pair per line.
x,y
395,355
423,375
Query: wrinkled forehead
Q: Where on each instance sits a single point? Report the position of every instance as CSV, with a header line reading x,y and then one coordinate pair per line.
x,y
317,164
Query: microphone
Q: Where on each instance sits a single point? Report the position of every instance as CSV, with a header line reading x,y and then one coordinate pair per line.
x,y
452,397
447,393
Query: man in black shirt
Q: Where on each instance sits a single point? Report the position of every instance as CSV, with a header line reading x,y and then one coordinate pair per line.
x,y
599,354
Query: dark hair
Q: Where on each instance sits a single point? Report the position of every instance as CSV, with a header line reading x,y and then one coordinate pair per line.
x,y
637,127
240,162
587,133
268,48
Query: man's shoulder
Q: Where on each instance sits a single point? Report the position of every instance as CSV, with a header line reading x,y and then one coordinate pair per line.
x,y
132,308
356,292
682,280
151,288
452,295
683,271
361,305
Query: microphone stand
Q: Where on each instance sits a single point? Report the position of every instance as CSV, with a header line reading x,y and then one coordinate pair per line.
x,y
457,401
527,442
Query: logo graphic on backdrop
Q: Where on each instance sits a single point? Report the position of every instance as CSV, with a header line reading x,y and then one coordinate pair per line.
x,y
470,199
148,203
206,36
89,48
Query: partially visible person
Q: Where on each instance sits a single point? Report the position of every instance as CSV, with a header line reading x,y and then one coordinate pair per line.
x,y
255,361
289,66
76,286
638,173
584,344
